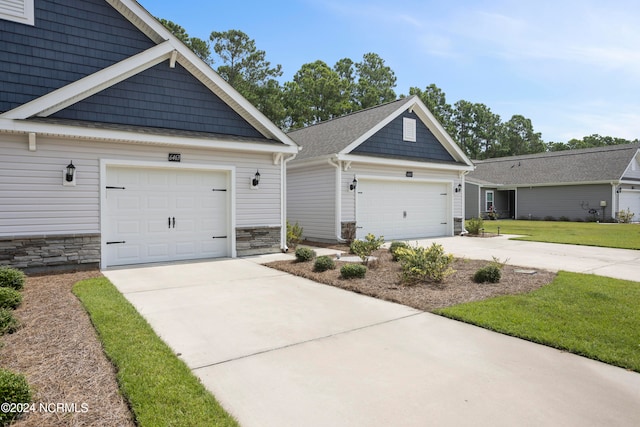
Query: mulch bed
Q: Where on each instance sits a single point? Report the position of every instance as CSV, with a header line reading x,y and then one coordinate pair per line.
x,y
57,349
382,281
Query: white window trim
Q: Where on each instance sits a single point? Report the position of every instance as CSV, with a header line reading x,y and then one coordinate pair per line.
x,y
409,129
486,200
21,11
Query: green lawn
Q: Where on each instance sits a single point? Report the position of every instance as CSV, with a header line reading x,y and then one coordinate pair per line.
x,y
625,236
593,316
159,387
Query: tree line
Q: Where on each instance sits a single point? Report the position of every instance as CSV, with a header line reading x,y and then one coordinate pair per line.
x,y
319,92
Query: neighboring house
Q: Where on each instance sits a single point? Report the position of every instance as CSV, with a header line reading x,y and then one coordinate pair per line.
x,y
390,170
587,184
164,151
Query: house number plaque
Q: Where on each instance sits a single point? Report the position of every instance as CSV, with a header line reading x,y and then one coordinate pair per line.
x,y
174,157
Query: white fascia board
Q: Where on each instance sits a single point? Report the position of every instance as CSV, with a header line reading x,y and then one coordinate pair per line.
x,y
402,163
91,84
547,184
315,161
120,136
144,21
374,129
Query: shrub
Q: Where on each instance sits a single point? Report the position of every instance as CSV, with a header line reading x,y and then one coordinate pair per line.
x,y
474,225
353,271
13,389
549,218
294,234
625,216
8,323
364,248
394,247
420,263
565,218
323,263
11,278
10,298
305,254
490,273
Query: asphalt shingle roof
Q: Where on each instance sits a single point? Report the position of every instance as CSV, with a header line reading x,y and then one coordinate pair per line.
x,y
335,135
587,165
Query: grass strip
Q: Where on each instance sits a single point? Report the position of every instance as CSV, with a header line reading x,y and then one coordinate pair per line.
x,y
160,388
623,236
593,316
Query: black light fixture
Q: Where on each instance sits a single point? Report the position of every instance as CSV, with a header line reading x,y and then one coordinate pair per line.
x,y
353,184
458,188
70,172
256,179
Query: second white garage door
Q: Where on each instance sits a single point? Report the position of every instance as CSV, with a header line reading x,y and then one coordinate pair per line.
x,y
402,209
630,199
155,215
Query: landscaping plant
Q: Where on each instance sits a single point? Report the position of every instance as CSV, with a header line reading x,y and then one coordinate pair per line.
x,y
419,263
294,234
488,274
323,263
8,323
353,271
305,254
10,298
364,248
474,225
14,389
394,248
11,278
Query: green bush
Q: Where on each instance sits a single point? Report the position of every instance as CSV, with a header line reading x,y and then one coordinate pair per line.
x,y
394,247
11,278
8,323
474,225
353,271
419,263
305,254
323,263
625,216
488,274
10,298
294,234
13,389
364,248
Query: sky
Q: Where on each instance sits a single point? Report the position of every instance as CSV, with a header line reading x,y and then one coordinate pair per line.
x,y
571,66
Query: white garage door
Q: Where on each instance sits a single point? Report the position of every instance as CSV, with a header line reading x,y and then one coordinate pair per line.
x,y
630,199
402,210
155,215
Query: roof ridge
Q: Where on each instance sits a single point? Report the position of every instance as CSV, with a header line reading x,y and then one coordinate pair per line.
x,y
572,152
353,113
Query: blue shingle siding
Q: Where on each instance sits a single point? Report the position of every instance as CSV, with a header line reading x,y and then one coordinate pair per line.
x,y
70,40
161,97
388,142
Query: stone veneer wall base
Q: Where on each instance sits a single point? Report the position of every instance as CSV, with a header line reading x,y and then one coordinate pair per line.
x,y
257,240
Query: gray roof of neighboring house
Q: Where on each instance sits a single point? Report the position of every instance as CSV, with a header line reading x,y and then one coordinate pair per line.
x,y
335,135
572,166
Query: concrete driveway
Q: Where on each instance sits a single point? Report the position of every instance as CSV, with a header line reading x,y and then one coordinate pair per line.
x,y
279,350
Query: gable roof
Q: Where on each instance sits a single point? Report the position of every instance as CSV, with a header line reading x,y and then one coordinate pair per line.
x,y
166,48
589,165
341,136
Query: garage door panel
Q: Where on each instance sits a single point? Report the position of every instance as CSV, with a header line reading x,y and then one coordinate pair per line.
x,y
142,215
401,209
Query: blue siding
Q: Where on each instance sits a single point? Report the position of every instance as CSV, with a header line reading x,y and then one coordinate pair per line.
x,y
70,40
161,97
388,142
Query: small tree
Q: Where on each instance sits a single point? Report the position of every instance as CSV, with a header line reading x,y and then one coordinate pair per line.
x,y
294,234
474,225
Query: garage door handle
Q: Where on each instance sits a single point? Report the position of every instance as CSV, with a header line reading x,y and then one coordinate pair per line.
x,y
169,220
174,222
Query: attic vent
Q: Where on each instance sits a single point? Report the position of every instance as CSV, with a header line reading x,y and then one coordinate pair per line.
x,y
17,10
409,129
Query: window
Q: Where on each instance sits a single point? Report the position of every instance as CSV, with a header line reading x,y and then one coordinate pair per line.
x,y
409,129
17,10
489,200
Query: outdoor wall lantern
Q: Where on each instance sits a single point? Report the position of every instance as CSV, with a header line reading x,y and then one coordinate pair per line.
x,y
69,174
256,179
458,188
353,184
